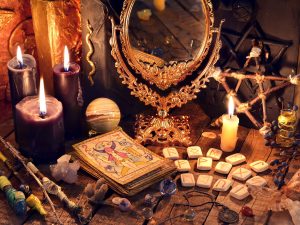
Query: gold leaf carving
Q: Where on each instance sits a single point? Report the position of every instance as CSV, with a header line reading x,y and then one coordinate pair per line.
x,y
90,53
153,98
5,17
169,74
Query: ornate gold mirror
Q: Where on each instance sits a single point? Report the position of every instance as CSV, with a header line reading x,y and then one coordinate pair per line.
x,y
165,45
161,43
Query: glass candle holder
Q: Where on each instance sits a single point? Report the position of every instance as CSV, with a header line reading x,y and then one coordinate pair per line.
x,y
287,121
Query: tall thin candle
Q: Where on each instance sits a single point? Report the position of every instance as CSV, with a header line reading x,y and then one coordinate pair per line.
x,y
22,80
67,90
22,76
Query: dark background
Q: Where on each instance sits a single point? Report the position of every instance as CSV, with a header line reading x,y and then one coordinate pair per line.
x,y
275,21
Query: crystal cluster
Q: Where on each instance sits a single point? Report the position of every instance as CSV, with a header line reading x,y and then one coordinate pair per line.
x,y
96,192
65,170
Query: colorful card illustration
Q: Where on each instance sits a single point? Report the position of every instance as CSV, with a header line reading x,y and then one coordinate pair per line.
x,y
118,156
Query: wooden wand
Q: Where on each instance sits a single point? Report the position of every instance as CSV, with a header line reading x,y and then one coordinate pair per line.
x,y
16,199
16,154
47,185
32,201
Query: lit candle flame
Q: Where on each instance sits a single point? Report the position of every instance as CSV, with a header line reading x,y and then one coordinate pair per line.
x,y
66,59
230,106
42,99
19,56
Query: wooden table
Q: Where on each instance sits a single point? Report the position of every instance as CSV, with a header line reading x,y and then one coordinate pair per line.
x,y
250,143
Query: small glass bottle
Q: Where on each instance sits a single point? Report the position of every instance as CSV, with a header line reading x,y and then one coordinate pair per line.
x,y
287,121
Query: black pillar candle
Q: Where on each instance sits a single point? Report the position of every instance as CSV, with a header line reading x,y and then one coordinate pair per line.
x,y
41,137
22,78
67,90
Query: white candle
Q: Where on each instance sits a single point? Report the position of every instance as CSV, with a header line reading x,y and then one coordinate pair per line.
x,y
160,5
229,128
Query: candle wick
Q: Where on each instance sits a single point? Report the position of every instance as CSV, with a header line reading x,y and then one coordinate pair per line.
x,y
20,64
42,115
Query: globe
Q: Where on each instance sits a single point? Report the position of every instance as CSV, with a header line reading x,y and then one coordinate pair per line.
x,y
103,115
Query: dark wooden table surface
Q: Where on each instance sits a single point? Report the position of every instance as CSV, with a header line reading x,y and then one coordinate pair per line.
x,y
250,143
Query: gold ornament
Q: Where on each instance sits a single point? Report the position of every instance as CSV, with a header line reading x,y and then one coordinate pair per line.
x,y
54,28
163,128
90,52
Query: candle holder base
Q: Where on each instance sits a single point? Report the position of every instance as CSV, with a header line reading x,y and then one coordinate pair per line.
x,y
169,130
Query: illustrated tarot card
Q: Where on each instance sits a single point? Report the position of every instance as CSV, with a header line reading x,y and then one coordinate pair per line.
x,y
118,156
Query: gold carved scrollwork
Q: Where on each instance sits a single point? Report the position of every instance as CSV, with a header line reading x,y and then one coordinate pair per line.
x,y
162,128
166,75
151,97
90,53
5,17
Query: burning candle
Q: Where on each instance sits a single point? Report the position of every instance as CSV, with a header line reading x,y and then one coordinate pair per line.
x,y
229,128
160,5
39,120
67,89
22,77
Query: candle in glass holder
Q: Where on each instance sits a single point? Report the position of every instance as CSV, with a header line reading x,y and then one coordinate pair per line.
x,y
229,128
40,126
67,90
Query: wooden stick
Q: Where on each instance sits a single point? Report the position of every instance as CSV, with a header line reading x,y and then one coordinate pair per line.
x,y
16,155
35,205
238,85
238,103
263,100
253,77
221,78
269,91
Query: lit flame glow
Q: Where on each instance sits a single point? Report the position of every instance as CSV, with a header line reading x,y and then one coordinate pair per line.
x,y
42,98
230,106
66,59
19,56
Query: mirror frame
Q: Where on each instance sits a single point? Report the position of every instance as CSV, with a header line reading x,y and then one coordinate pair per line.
x,y
168,74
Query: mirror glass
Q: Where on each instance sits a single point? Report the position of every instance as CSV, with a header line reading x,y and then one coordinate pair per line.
x,y
163,32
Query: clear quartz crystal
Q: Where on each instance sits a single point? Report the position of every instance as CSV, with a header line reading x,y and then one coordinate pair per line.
x,y
147,212
189,214
149,199
64,170
167,187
